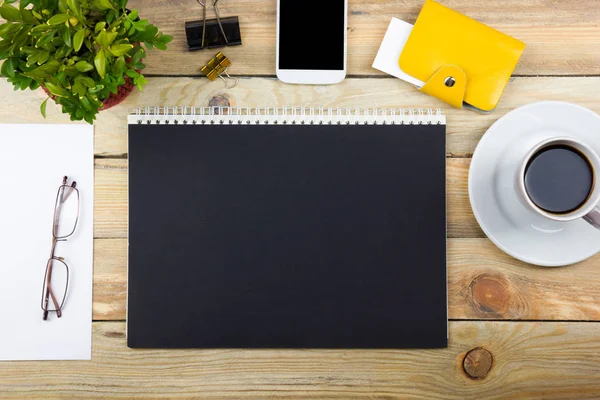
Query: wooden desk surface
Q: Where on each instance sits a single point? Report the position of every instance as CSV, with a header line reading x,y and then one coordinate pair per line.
x,y
516,331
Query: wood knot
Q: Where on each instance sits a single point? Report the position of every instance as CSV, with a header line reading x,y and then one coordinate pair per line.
x,y
220,100
114,334
477,363
491,294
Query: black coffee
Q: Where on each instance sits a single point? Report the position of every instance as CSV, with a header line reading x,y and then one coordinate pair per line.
x,y
559,179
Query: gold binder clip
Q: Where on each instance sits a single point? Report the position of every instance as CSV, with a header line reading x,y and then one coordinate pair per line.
x,y
217,67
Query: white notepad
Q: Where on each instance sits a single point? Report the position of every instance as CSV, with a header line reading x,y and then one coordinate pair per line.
x,y
33,161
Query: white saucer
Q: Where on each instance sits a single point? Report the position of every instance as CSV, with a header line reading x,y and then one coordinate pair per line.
x,y
512,227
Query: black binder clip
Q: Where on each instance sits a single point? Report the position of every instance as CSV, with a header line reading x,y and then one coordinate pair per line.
x,y
212,33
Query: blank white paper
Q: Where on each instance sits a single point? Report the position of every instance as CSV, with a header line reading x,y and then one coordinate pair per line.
x,y
33,161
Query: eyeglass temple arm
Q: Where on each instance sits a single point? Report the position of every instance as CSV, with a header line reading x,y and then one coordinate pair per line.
x,y
49,291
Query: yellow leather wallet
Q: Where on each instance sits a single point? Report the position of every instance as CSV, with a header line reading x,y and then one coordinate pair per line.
x,y
459,59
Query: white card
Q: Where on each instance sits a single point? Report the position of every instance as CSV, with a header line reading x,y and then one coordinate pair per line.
x,y
391,48
33,161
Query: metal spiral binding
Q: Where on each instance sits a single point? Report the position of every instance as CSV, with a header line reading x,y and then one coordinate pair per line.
x,y
285,116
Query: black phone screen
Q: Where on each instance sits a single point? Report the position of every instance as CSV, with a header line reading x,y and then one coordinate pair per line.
x,y
311,35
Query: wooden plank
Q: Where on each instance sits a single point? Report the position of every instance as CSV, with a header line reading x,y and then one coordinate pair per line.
x,y
110,279
111,205
528,360
465,128
483,283
110,198
563,37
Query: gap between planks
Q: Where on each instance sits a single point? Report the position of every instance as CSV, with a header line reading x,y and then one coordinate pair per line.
x,y
529,360
464,129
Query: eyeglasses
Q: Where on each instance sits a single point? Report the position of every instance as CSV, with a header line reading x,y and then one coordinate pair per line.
x,y
56,278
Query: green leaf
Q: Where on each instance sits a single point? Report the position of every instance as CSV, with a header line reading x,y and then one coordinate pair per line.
x,y
39,29
141,82
9,12
45,39
160,46
5,28
96,89
74,6
62,6
102,5
20,39
78,39
110,16
139,54
43,107
25,83
28,17
120,49
44,71
165,39
119,66
99,26
66,36
100,63
62,51
133,15
86,104
84,66
131,73
78,88
111,36
32,59
59,19
89,118
22,3
8,67
87,81
141,25
56,90
43,57
148,34
106,38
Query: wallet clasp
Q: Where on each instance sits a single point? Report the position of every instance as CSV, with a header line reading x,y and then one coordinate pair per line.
x,y
448,84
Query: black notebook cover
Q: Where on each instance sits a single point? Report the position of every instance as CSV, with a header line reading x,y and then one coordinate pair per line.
x,y
287,236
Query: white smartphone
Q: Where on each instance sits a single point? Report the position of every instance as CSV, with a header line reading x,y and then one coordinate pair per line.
x,y
311,41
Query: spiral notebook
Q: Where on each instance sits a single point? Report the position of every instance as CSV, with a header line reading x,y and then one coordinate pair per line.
x,y
287,228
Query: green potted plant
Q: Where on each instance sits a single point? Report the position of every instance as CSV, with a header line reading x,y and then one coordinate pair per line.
x,y
86,54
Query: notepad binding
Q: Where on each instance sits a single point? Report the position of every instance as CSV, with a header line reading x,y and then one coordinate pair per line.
x,y
285,115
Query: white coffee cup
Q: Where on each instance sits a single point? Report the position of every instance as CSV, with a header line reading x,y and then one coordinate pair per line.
x,y
590,209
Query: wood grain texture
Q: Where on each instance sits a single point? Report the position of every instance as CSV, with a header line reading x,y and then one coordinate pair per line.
x,y
562,36
111,208
465,128
530,360
483,283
